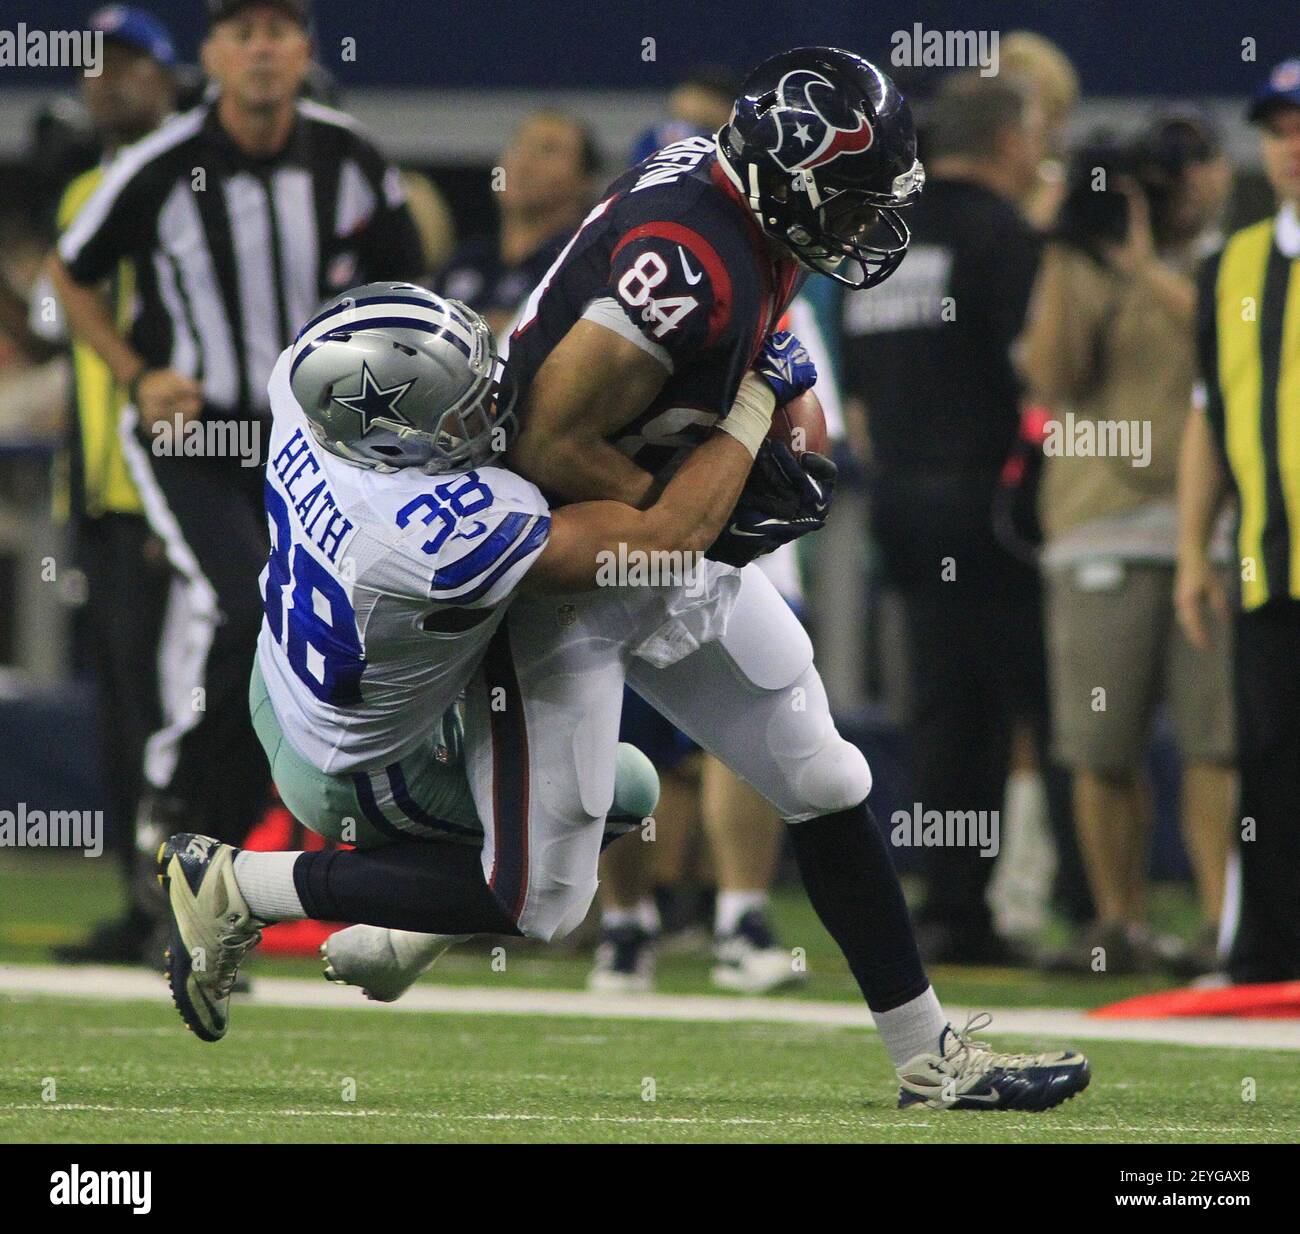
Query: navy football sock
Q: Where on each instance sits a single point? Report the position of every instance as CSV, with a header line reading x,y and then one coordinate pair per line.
x,y
433,888
853,886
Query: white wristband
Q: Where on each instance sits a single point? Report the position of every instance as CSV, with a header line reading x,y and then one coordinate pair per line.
x,y
750,416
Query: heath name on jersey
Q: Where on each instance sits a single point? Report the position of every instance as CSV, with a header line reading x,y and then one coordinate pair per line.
x,y
381,590
671,260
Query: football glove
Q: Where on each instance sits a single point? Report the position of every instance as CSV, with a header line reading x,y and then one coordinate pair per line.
x,y
785,365
784,498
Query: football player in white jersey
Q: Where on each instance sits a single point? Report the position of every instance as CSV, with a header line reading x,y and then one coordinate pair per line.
x,y
396,548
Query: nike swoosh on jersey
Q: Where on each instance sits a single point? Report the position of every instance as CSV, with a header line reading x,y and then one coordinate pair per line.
x,y
692,276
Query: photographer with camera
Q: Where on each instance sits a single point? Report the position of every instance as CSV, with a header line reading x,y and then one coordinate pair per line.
x,y
1109,348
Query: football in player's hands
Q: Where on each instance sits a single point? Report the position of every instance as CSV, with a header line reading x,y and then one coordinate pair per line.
x,y
800,425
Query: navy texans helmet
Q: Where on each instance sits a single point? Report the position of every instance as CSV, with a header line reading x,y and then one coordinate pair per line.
x,y
821,143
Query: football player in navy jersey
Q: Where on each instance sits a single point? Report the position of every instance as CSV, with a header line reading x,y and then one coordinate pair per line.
x,y
628,352
661,263
742,833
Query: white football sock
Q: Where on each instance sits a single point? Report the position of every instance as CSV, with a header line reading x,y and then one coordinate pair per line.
x,y
644,913
911,1029
647,915
731,906
613,918
265,880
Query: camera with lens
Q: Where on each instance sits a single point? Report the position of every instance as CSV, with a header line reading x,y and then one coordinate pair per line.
x,y
1095,211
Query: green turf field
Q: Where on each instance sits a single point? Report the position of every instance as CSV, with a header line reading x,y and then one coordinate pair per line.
x,y
129,1072
81,1070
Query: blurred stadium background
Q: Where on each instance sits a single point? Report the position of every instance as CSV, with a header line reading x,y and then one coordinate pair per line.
x,y
442,88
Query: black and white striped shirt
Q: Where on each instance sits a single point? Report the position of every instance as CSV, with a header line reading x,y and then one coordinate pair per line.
x,y
233,253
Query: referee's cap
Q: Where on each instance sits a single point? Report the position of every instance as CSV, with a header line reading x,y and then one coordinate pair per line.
x,y
220,10
135,28
1281,90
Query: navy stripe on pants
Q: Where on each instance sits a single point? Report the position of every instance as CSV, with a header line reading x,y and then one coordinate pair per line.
x,y
509,878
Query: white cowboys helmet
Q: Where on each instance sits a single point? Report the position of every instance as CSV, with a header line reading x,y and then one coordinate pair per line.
x,y
391,375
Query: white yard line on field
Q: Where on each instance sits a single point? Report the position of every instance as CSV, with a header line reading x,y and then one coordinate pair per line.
x,y
513,1116
913,1120
138,984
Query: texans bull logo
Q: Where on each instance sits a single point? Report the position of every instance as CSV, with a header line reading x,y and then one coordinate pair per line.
x,y
805,136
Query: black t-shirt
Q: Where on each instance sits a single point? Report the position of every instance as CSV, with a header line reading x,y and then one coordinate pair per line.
x,y
929,351
478,277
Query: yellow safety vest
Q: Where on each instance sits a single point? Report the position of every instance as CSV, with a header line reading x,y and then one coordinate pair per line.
x,y
106,482
1254,405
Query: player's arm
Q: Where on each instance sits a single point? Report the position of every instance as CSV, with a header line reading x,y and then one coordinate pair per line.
x,y
592,384
115,222
688,516
158,393
667,302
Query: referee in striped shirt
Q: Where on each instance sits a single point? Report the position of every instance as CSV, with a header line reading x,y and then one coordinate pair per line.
x,y
237,218
1246,431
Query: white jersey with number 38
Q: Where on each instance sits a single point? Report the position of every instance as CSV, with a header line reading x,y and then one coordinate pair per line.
x,y
381,591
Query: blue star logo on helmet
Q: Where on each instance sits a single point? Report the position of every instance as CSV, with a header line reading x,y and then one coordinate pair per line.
x,y
374,402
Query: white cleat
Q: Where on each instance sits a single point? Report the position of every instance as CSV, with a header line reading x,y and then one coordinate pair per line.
x,y
210,929
749,960
965,1074
384,963
625,961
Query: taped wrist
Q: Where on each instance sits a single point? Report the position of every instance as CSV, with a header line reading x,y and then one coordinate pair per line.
x,y
750,416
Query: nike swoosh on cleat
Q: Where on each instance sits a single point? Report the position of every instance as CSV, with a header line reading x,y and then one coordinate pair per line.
x,y
985,1098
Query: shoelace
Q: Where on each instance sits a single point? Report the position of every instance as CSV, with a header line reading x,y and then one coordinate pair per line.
x,y
234,946
971,1056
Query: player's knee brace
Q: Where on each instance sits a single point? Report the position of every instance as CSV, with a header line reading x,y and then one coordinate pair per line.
x,y
555,909
835,776
818,772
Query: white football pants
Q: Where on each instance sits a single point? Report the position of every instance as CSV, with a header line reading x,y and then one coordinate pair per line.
x,y
732,669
